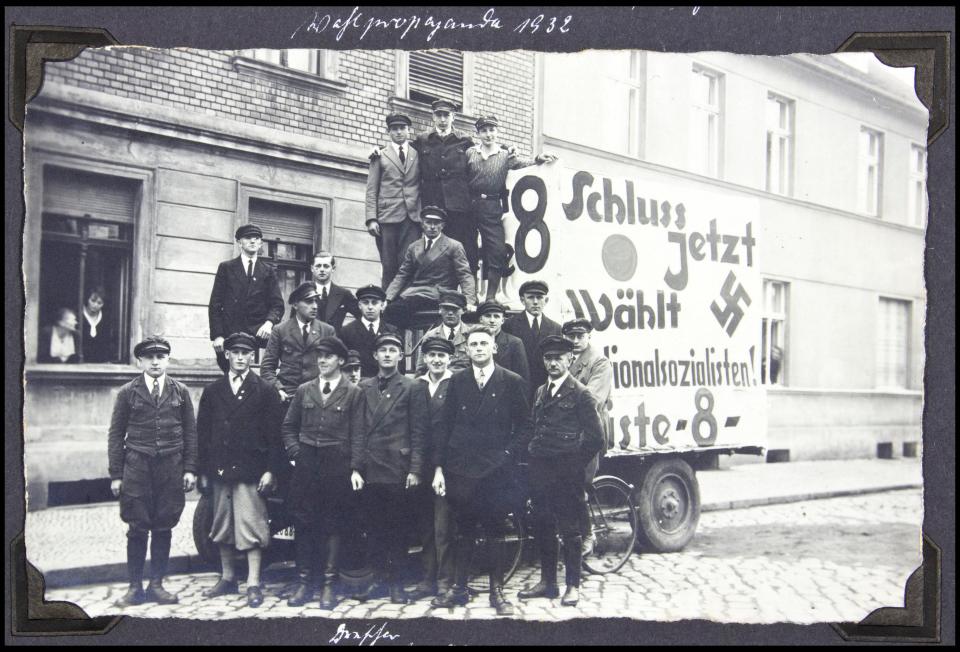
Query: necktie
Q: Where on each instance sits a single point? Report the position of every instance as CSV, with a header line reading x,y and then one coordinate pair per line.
x,y
550,389
237,380
249,269
429,244
536,328
370,328
323,294
481,380
381,383
306,332
403,157
156,391
326,387
450,334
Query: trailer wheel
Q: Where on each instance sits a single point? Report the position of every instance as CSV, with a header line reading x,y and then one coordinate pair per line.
x,y
668,503
202,522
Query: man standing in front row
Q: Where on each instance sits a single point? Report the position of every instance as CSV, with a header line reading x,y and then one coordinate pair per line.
x,y
152,447
323,435
240,458
532,326
245,296
566,435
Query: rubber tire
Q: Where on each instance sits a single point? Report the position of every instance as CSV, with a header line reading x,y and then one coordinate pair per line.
x,y
202,521
650,534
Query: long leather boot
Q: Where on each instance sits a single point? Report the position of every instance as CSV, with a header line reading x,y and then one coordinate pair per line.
x,y
136,559
159,557
331,574
305,547
572,558
547,586
497,600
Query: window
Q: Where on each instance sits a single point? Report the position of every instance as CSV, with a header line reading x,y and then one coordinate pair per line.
x,y
435,74
893,336
614,77
871,171
705,122
289,238
918,186
779,145
86,244
772,366
316,62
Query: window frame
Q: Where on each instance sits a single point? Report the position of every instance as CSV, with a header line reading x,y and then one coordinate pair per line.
x,y
865,162
908,304
714,159
401,89
323,76
914,177
768,317
789,134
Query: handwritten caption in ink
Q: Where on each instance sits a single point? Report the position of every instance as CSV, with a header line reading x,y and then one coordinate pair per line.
x,y
369,637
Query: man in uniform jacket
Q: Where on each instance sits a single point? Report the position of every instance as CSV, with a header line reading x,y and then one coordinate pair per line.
x,y
246,294
431,265
240,458
452,328
152,449
393,196
566,435
361,334
334,302
324,436
290,358
397,416
485,425
531,326
510,353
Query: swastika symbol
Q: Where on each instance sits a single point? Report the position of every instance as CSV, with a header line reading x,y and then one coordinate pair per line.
x,y
729,317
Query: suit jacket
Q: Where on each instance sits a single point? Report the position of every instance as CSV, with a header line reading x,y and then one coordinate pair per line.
x,y
340,302
241,304
288,362
425,273
519,326
338,422
238,435
357,337
482,429
566,423
398,422
511,355
596,373
435,404
443,169
393,188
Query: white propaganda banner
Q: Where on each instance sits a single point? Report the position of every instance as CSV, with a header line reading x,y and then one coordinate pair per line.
x,y
668,274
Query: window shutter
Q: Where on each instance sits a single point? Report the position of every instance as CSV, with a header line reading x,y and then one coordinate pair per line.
x,y
436,74
285,222
76,194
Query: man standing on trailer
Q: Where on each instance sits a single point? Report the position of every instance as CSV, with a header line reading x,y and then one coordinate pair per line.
x,y
532,327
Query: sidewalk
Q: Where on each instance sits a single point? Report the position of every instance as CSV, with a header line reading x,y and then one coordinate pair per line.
x,y
86,544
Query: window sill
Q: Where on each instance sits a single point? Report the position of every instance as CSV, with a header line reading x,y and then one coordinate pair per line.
x,y
100,374
271,72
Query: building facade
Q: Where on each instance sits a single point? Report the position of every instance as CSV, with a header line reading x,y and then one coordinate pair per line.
x,y
141,163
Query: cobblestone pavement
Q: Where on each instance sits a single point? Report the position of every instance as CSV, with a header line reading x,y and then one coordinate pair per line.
x,y
832,560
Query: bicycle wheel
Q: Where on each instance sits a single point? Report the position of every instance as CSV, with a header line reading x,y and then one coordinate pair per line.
x,y
510,544
613,518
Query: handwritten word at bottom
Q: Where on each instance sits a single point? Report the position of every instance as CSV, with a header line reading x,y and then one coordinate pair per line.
x,y
369,637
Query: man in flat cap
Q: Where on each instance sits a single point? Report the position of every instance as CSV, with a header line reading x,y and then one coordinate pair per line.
x,y
532,326
351,368
361,334
566,435
487,167
152,448
508,352
323,435
431,264
246,294
451,327
290,358
240,459
397,417
393,196
334,302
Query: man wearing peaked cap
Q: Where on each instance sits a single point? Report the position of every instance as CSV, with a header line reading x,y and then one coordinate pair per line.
x,y
152,454
509,354
245,296
532,326
290,358
451,306
361,334
351,368
240,459
393,196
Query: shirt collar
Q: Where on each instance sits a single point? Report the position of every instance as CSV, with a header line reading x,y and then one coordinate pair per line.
x,y
433,385
366,324
484,155
93,321
445,134
243,376
396,147
487,370
559,381
333,383
245,258
530,318
320,286
301,323
149,381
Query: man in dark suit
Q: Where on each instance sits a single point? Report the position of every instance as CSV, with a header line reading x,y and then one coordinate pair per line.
x,y
431,264
486,424
323,435
246,295
566,435
361,334
532,326
239,459
334,303
509,352
397,415
290,359
393,196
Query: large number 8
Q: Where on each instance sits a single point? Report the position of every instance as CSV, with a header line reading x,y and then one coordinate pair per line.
x,y
530,221
704,415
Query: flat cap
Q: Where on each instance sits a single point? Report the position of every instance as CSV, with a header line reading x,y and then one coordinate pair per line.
x,y
437,344
303,292
490,306
371,292
399,119
248,231
534,286
576,326
353,359
240,341
452,298
332,345
388,338
487,121
555,344
443,105
433,213
153,344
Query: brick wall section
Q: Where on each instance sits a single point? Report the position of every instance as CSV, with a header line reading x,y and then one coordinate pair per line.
x,y
205,81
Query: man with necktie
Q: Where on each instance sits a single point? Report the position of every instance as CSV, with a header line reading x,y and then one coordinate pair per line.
x,y
509,352
334,302
451,328
532,326
361,334
240,458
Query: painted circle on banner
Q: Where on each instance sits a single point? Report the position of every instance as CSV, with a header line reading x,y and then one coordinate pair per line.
x,y
619,257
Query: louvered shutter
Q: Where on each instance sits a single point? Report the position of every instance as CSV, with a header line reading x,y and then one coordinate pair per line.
x,y
285,222
436,74
76,194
